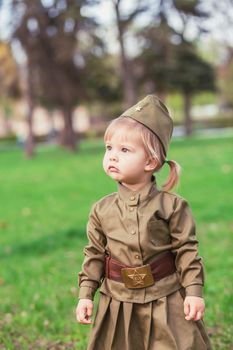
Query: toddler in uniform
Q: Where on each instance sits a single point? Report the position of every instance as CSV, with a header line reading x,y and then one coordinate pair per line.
x,y
142,252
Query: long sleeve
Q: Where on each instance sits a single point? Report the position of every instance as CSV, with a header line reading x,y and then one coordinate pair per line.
x,y
185,247
93,265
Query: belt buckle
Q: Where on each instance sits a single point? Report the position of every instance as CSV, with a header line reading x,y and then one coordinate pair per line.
x,y
137,277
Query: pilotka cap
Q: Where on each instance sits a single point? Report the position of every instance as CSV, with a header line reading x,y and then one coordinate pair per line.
x,y
153,113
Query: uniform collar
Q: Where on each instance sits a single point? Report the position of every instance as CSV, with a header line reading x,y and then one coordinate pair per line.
x,y
134,197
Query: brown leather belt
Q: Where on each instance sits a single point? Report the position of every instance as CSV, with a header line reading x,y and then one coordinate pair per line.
x,y
135,277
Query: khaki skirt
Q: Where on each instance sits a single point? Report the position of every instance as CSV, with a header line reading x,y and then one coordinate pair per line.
x,y
156,325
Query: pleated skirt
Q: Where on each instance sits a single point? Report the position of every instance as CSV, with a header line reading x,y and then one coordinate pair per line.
x,y
156,325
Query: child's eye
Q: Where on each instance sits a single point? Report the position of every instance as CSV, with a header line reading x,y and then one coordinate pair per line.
x,y
108,147
125,150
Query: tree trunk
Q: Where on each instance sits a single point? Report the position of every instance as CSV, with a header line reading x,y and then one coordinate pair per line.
x,y
130,97
188,124
30,145
67,136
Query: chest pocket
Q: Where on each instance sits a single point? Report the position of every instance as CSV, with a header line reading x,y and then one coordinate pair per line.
x,y
158,231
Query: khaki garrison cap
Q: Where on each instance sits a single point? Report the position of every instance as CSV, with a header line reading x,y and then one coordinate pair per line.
x,y
153,113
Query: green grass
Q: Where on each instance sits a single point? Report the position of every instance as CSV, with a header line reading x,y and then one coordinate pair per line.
x,y
44,209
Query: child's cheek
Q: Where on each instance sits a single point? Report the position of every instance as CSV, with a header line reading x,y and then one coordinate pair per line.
x,y
105,163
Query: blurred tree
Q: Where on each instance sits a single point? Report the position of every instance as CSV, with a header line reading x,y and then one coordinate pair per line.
x,y
49,34
156,61
169,62
191,74
9,82
102,80
123,22
226,80
160,13
189,13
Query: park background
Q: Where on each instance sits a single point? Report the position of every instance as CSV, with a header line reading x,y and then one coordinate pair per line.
x,y
68,68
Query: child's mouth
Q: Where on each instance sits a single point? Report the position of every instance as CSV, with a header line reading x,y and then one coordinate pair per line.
x,y
113,169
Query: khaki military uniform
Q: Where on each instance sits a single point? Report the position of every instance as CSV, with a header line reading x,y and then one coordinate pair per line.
x,y
136,228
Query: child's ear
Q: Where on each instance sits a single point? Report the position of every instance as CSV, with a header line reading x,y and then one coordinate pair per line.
x,y
151,164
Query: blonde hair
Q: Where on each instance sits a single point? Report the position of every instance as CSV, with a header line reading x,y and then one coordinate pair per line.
x,y
152,145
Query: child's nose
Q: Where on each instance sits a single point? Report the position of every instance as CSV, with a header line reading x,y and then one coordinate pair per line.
x,y
113,156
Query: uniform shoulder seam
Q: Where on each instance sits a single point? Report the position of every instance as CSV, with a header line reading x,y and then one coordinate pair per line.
x,y
101,200
175,195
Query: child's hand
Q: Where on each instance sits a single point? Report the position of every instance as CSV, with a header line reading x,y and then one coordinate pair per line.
x,y
194,308
84,311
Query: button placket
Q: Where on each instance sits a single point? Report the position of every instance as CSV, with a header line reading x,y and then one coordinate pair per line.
x,y
133,200
132,205
132,215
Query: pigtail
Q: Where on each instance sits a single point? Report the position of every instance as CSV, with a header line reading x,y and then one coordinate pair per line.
x,y
174,176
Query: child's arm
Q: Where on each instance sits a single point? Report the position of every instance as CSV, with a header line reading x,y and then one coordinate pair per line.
x,y
93,265
84,311
194,308
188,263
185,246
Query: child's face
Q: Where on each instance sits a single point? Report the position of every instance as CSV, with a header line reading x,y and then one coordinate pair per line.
x,y
125,159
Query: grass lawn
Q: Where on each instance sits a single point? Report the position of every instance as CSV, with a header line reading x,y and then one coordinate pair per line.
x,y
44,208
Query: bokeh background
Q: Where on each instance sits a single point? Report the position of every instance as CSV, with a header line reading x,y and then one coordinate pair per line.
x,y
67,67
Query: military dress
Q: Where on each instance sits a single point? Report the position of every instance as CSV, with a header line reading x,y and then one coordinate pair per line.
x,y
136,228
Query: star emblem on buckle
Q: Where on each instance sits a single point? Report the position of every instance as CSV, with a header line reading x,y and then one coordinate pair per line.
x,y
138,108
137,277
